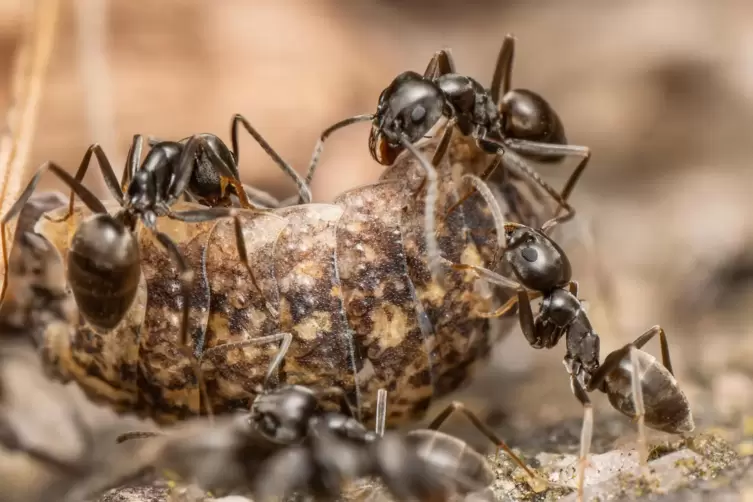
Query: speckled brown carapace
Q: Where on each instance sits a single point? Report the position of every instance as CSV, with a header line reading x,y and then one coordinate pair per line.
x,y
348,280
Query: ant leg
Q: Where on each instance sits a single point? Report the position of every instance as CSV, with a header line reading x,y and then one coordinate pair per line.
x,y
523,298
483,176
441,63
152,141
303,190
214,213
457,406
88,198
503,71
240,243
638,404
285,338
105,168
553,150
586,433
648,335
133,160
430,203
186,280
439,154
381,412
129,436
510,159
319,147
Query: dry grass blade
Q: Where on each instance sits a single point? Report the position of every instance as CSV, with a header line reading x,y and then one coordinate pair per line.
x,y
29,71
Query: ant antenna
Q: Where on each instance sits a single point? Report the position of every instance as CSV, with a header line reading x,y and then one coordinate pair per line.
x,y
320,142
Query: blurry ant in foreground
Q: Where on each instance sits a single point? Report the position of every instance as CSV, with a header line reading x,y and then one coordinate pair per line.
x,y
206,183
636,384
514,124
289,445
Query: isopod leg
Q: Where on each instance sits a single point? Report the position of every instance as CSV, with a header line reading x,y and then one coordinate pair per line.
x,y
302,185
503,70
91,201
314,162
586,433
457,406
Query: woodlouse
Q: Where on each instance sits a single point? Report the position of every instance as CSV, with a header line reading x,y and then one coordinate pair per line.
x,y
350,282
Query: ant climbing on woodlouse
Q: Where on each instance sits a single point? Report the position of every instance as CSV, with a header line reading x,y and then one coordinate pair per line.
x,y
514,124
206,185
103,262
636,384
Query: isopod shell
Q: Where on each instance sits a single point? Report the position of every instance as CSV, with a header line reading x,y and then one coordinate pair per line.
x,y
348,280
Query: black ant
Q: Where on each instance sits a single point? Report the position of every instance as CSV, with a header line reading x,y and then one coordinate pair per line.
x,y
512,123
634,381
291,445
206,183
103,262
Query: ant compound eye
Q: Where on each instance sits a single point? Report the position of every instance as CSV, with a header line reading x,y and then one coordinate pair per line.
x,y
268,424
530,254
418,114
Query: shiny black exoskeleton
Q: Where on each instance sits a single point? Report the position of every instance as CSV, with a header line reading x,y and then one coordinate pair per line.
x,y
325,449
542,269
288,445
636,384
206,184
103,262
512,123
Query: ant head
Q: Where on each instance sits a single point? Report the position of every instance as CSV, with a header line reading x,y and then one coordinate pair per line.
x,y
104,269
409,107
282,415
538,262
141,193
528,116
666,406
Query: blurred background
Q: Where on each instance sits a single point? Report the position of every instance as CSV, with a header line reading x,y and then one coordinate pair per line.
x,y
661,91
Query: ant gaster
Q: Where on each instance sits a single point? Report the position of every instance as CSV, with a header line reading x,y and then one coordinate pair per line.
x,y
636,384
